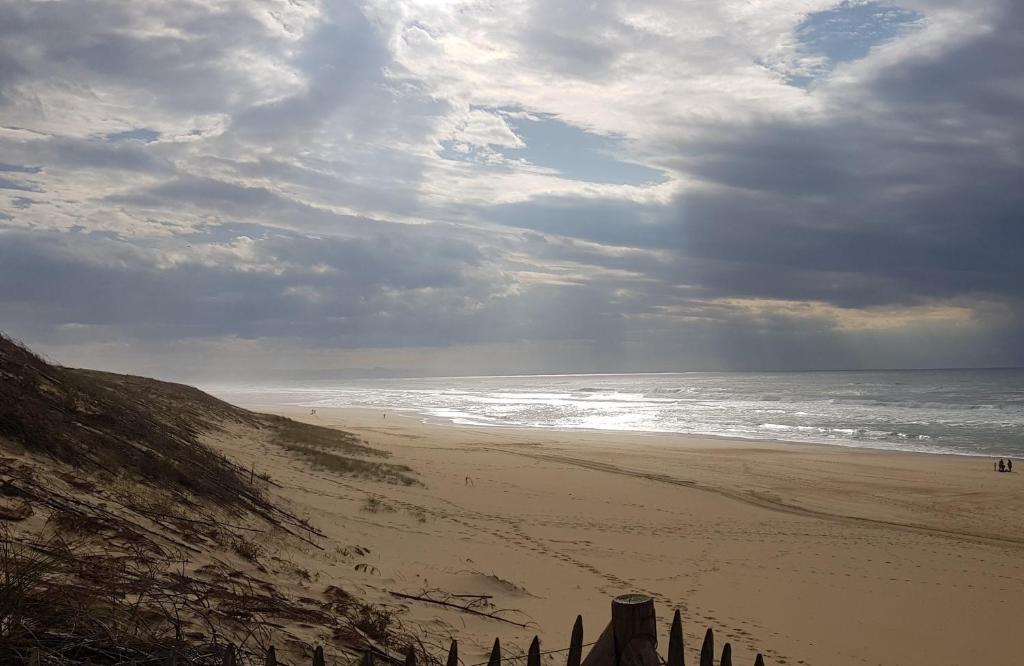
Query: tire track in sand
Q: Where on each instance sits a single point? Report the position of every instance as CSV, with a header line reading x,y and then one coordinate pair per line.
x,y
769,503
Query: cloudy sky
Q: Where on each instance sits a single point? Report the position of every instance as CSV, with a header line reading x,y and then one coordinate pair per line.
x,y
217,189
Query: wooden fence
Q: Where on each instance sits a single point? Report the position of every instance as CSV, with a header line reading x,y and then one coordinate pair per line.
x,y
630,639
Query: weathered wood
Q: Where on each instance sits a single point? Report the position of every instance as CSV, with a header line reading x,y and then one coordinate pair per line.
x,y
464,609
533,656
676,654
228,658
318,656
759,661
367,659
495,658
635,629
33,657
410,656
603,651
172,658
453,654
633,617
576,643
271,657
707,651
726,659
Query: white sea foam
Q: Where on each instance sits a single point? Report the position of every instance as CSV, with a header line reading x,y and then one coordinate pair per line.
x,y
970,412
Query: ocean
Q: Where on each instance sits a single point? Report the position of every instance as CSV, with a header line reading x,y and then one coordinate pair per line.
x,y
970,412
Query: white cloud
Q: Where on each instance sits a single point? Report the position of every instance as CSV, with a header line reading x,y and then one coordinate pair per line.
x,y
379,126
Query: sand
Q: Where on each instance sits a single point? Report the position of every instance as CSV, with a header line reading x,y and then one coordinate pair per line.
x,y
809,554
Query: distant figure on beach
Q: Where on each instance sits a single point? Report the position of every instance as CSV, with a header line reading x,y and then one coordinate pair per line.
x,y
312,412
469,481
385,414
1009,465
1002,466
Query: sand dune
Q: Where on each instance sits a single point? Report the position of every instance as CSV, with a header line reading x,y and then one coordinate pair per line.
x,y
812,555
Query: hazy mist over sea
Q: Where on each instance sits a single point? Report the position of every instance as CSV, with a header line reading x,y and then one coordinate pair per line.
x,y
974,412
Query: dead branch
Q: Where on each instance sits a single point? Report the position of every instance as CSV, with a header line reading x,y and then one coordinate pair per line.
x,y
465,608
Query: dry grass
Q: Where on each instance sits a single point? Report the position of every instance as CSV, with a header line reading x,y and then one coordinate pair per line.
x,y
141,428
336,451
131,491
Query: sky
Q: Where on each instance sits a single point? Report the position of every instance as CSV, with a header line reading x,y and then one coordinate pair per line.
x,y
258,189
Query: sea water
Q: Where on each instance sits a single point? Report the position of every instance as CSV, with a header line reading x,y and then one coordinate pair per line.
x,y
972,412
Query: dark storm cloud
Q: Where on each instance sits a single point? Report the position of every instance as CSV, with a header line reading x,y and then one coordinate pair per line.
x,y
241,202
20,168
183,67
10,184
854,210
280,152
335,76
280,284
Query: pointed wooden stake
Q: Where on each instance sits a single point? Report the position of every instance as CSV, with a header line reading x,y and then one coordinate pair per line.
x,y
33,657
453,654
759,661
367,660
576,643
271,657
410,656
496,654
172,658
676,655
533,656
229,656
707,651
318,656
726,659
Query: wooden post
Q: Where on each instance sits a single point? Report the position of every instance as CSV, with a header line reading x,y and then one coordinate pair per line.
x,y
318,656
172,658
228,659
410,656
453,654
33,657
676,654
367,659
495,659
759,661
635,629
576,643
533,656
707,651
726,659
271,657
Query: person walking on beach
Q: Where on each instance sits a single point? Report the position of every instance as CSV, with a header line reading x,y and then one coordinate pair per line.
x,y
1002,466
1009,465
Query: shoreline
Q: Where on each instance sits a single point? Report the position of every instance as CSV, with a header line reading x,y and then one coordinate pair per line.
x,y
425,418
812,554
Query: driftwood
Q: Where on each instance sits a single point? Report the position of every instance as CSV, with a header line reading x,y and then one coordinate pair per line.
x,y
465,609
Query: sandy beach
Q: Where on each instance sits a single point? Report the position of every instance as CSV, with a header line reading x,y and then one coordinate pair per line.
x,y
810,554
